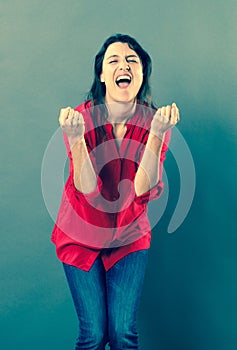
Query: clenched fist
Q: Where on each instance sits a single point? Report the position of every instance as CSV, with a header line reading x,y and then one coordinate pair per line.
x,y
72,123
164,119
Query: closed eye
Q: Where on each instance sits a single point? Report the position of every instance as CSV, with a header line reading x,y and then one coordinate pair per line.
x,y
132,61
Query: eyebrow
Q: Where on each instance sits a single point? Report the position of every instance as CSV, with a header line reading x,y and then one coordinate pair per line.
x,y
117,56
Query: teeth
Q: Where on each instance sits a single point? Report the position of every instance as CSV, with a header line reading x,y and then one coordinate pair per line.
x,y
121,77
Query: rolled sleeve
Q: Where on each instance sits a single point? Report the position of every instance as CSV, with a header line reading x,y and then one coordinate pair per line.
x,y
88,198
156,191
152,194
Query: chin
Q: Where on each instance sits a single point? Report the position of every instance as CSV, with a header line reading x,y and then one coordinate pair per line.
x,y
126,99
122,97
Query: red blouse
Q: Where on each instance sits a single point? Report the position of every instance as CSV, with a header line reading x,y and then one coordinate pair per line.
x,y
112,220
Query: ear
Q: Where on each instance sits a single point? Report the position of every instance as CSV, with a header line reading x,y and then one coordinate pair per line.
x,y
102,78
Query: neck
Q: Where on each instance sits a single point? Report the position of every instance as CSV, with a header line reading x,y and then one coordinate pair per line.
x,y
120,112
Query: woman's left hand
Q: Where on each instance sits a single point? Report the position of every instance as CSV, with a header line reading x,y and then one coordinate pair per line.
x,y
164,119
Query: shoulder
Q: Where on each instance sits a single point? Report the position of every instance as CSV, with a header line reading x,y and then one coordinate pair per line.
x,y
83,106
87,110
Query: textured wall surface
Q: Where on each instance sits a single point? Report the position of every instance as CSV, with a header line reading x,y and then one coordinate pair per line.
x,y
47,51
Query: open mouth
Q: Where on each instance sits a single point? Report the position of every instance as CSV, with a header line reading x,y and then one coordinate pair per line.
x,y
123,81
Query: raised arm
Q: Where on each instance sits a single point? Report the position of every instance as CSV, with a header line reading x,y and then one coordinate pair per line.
x,y
147,175
72,123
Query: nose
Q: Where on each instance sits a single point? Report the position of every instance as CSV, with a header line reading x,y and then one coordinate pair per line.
x,y
125,66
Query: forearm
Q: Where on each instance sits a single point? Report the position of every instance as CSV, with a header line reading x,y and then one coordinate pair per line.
x,y
147,175
84,176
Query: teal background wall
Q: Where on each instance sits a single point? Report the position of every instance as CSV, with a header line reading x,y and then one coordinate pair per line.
x,y
47,51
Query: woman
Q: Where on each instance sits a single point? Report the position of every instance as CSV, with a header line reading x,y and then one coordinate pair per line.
x,y
116,144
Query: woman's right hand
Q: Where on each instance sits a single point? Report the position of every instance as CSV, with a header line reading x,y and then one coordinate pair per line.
x,y
72,123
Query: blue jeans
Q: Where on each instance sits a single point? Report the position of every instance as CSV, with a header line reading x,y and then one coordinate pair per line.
x,y
107,302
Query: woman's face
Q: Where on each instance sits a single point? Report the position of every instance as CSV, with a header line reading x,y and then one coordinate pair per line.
x,y
122,84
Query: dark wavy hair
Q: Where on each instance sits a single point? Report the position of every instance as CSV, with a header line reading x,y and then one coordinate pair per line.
x,y
97,91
